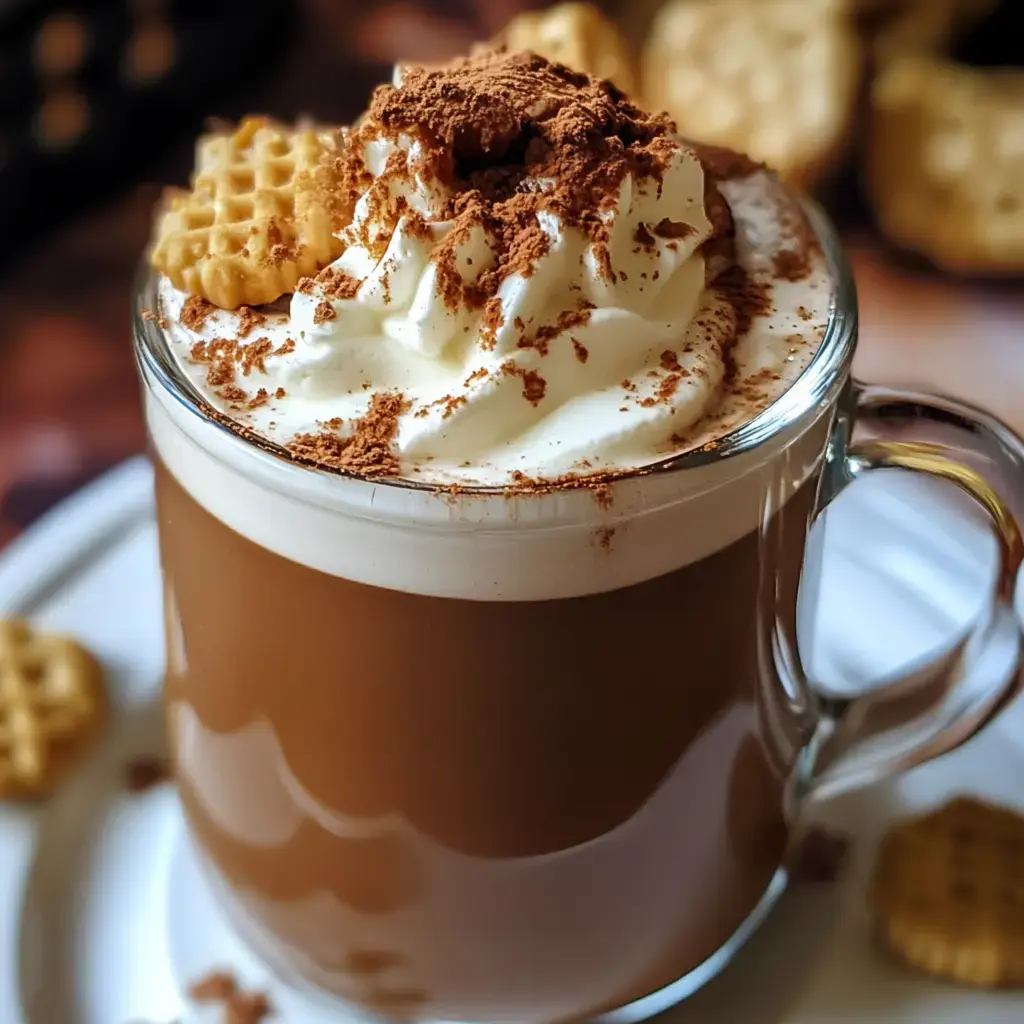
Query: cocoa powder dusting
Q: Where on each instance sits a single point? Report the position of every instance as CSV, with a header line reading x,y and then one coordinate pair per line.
x,y
253,356
534,386
223,355
792,264
492,128
336,284
643,237
747,298
248,320
194,312
566,321
451,403
724,164
324,312
367,450
666,388
492,322
580,350
278,251
666,228
719,249
220,373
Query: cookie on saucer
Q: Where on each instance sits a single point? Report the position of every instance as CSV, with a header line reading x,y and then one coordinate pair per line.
x,y
948,893
51,708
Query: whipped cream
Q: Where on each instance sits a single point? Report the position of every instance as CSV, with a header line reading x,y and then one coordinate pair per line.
x,y
602,345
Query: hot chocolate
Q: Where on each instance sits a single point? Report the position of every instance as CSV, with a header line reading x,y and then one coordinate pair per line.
x,y
475,684
526,810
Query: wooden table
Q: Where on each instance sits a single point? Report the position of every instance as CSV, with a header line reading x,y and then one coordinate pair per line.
x,y
926,331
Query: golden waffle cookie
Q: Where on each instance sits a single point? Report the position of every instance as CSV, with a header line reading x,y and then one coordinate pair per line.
x,y
577,35
776,79
51,706
948,893
253,223
946,163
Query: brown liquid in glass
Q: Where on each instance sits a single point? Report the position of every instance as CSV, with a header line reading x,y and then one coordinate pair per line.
x,y
552,807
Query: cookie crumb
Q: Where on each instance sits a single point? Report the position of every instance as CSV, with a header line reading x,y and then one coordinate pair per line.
x,y
144,772
195,312
247,1008
216,987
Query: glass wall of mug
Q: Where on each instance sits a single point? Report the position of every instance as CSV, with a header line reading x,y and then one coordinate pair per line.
x,y
479,756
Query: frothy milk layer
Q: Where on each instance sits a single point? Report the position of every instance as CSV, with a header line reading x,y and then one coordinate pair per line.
x,y
483,547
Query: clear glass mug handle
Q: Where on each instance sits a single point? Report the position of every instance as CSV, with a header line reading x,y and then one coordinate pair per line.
x,y
938,706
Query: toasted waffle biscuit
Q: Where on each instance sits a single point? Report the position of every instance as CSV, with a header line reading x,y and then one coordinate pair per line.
x,y
946,163
51,706
254,222
948,893
776,79
577,35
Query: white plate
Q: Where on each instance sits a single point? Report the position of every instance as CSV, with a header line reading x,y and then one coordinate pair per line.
x,y
103,916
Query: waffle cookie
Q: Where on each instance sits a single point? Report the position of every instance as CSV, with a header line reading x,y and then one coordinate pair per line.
x,y
948,893
51,707
577,35
945,163
776,79
253,222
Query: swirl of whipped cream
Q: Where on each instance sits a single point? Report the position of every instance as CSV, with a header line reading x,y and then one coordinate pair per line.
x,y
535,280
534,378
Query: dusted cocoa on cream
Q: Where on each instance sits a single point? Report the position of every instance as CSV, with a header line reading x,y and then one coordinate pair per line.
x,y
565,287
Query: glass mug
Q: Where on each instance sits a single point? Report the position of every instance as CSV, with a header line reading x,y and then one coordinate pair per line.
x,y
531,758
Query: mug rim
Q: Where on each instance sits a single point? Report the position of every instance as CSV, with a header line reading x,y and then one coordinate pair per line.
x,y
818,384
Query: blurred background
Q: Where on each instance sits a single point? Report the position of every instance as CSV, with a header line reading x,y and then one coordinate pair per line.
x,y
905,117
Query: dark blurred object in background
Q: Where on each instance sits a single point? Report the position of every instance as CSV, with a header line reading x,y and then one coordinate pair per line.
x,y
998,41
94,92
